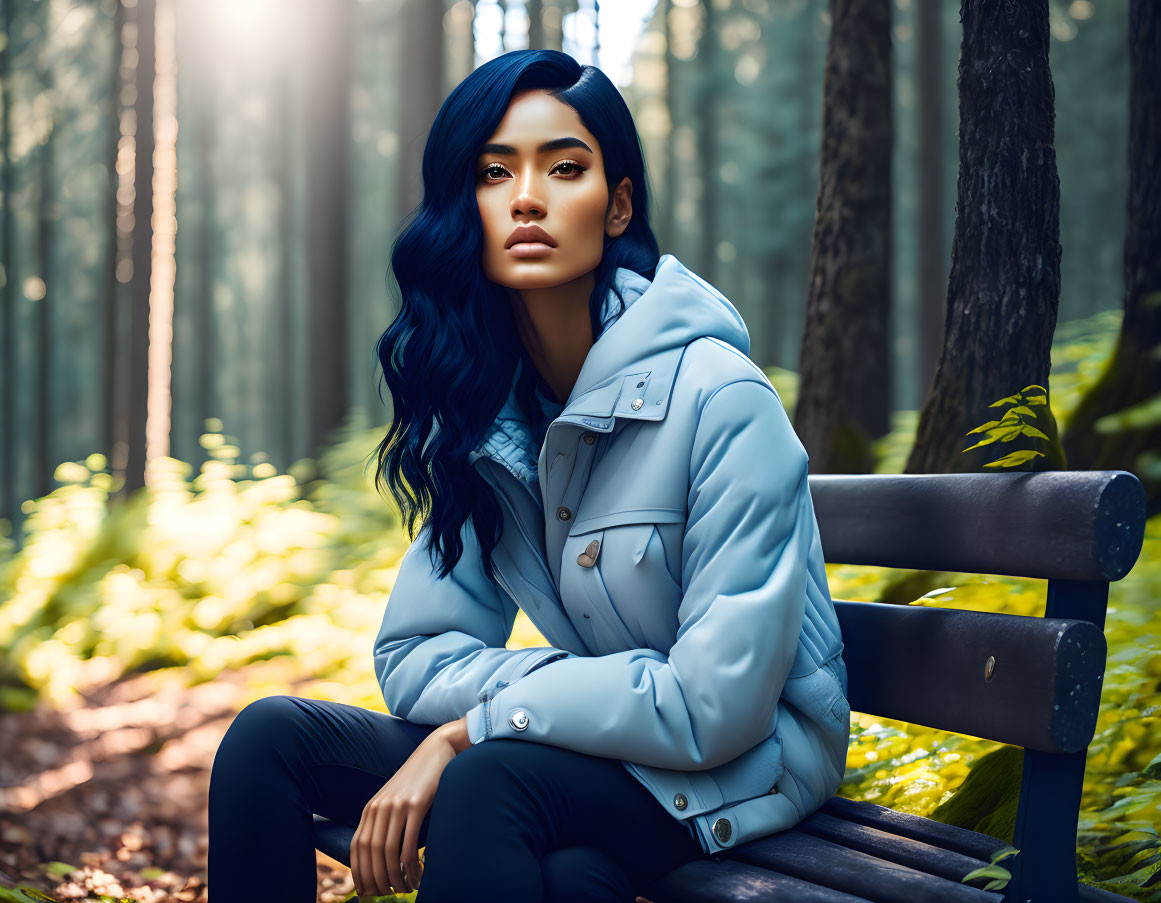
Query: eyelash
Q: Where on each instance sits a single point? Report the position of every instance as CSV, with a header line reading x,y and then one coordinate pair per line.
x,y
491,166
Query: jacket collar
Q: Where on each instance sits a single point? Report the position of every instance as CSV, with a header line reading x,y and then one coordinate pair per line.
x,y
630,370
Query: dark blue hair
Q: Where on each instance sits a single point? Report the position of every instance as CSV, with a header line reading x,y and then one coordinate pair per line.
x,y
450,356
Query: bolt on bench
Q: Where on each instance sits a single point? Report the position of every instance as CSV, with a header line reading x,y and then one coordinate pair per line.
x,y
1026,681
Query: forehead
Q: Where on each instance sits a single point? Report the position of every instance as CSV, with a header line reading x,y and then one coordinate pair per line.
x,y
534,117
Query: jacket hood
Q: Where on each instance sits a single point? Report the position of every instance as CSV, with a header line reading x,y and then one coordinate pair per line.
x,y
649,320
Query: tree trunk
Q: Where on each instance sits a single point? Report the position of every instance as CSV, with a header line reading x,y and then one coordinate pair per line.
x,y
328,51
707,142
43,409
1133,374
111,343
9,507
535,10
931,248
138,350
1004,285
844,393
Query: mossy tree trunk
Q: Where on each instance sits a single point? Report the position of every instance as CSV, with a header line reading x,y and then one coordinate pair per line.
x,y
1004,285
1133,374
844,394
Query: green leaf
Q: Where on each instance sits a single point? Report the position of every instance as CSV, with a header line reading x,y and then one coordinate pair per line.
x,y
1036,399
989,871
1001,434
1015,459
22,894
982,427
59,869
1022,409
1011,399
995,884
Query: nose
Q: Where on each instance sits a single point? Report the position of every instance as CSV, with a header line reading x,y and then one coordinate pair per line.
x,y
527,199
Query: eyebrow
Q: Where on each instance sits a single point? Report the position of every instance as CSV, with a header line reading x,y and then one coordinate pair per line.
x,y
554,144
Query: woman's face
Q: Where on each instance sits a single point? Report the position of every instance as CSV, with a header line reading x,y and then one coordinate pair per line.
x,y
543,168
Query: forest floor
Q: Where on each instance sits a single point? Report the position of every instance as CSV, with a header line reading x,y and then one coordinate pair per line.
x,y
116,788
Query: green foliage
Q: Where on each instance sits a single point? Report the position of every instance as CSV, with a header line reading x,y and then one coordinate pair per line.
x,y
1000,876
235,566
22,894
989,797
1020,420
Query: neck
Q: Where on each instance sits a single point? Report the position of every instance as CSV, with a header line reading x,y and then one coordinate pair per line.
x,y
553,323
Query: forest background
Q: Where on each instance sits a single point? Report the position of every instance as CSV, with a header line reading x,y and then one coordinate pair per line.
x,y
199,198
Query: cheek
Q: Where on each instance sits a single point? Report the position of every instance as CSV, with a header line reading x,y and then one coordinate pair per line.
x,y
586,215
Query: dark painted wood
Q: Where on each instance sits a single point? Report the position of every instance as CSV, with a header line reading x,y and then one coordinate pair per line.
x,y
906,851
949,837
705,881
851,871
1082,525
909,660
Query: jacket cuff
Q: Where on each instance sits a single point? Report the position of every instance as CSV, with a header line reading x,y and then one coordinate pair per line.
x,y
479,723
481,718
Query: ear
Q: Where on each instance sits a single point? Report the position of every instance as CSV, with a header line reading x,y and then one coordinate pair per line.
x,y
620,209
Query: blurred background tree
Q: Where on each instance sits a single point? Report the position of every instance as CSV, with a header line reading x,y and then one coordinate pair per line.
x,y
200,197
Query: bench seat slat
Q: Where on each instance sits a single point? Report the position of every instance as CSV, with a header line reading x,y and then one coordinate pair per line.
x,y
949,837
705,881
832,865
916,854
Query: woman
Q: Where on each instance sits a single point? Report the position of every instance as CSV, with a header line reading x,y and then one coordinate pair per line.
x,y
578,419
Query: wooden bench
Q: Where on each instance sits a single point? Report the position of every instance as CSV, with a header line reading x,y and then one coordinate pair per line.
x,y
1027,681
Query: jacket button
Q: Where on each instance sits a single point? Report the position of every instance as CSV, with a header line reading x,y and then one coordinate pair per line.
x,y
589,438
637,402
680,802
563,513
722,830
519,721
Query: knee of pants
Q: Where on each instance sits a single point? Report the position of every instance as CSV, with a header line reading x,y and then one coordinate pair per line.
x,y
263,725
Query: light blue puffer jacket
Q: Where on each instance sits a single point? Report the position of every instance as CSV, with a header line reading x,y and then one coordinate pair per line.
x,y
663,540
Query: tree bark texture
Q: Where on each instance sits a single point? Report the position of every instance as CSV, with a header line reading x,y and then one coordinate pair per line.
x,y
932,250
138,351
1004,285
1133,374
328,50
844,393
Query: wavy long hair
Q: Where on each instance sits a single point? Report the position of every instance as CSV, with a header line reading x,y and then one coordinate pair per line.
x,y
450,355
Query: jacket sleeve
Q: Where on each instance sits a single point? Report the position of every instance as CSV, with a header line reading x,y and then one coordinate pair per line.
x,y
745,551
440,649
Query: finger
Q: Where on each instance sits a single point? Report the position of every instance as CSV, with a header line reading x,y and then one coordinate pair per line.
x,y
410,850
380,876
392,850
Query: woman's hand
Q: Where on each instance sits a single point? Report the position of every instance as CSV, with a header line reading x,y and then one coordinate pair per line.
x,y
385,847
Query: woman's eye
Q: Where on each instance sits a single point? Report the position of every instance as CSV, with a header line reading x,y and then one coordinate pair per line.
x,y
498,170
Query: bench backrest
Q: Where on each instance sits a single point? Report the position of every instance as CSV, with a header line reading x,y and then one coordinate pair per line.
x,y
1031,682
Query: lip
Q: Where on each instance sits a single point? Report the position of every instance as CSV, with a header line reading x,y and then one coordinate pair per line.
x,y
528,249
529,234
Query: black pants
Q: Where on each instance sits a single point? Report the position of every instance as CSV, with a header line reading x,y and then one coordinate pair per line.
x,y
512,820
